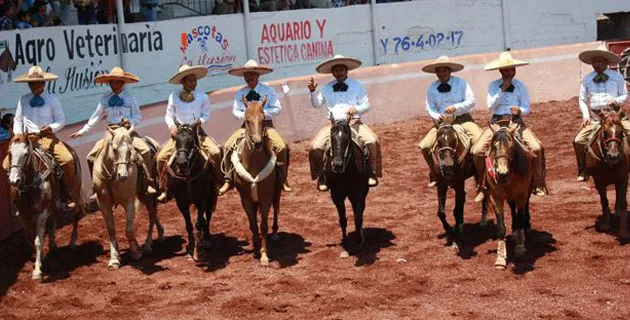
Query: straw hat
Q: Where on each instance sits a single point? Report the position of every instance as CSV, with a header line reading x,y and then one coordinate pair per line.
x,y
117,74
35,74
186,70
601,51
327,65
250,66
443,61
505,61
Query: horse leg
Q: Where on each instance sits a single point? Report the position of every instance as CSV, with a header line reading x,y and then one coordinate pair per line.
x,y
199,253
108,216
501,262
52,228
251,210
136,253
458,213
264,229
513,213
147,248
604,224
484,213
621,208
39,244
338,199
441,190
185,210
519,221
276,212
206,229
357,200
78,213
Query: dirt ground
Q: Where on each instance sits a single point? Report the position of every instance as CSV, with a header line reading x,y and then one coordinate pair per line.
x,y
405,271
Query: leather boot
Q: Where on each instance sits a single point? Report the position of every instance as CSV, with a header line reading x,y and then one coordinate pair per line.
x,y
580,154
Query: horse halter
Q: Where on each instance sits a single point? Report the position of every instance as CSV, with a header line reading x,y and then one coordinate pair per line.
x,y
346,153
507,156
21,188
190,155
604,147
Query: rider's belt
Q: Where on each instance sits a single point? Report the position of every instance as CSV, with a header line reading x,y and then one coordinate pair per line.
x,y
267,123
463,118
507,117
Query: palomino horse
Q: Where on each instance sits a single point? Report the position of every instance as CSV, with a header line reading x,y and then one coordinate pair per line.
x,y
191,182
116,180
607,163
257,179
455,165
509,177
346,171
35,190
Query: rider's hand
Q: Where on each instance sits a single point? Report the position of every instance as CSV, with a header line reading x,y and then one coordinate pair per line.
x,y
586,122
312,85
515,110
352,111
173,131
45,128
450,109
75,135
506,85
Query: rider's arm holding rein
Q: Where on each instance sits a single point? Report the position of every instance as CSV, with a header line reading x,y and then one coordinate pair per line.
x,y
98,113
59,119
169,118
582,101
467,105
238,107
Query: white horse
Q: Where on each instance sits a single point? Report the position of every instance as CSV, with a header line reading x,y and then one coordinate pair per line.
x,y
116,180
35,192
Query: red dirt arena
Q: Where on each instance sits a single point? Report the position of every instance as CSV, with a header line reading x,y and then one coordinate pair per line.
x,y
404,271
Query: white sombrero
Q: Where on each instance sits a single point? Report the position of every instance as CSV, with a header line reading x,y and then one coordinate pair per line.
x,y
327,65
186,70
35,74
601,51
117,74
250,66
443,61
505,61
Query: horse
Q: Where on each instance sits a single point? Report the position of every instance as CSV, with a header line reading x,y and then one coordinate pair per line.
x,y
257,179
607,162
455,166
191,182
116,180
346,172
508,177
35,190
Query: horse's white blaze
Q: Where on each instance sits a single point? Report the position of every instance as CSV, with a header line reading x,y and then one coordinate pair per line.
x,y
19,154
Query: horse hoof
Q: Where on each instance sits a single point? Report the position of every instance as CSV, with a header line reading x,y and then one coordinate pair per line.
x,y
147,249
37,275
115,264
455,248
603,227
500,267
275,237
206,244
344,254
136,255
519,251
264,261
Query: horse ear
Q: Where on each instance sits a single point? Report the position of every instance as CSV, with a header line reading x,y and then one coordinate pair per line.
x,y
131,129
436,123
491,127
264,100
177,124
110,130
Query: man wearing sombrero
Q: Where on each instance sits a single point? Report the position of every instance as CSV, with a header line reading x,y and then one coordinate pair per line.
x,y
449,96
40,113
508,100
188,106
344,97
255,91
119,107
601,89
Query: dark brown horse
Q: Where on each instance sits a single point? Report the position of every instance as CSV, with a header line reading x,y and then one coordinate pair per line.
x,y
607,163
452,155
257,179
509,178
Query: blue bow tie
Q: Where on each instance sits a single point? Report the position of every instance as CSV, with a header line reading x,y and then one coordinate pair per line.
x,y
116,101
37,101
340,87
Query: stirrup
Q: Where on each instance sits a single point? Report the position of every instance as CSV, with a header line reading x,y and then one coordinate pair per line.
x,y
582,177
321,185
227,185
151,190
372,182
93,197
286,187
539,191
432,184
162,197
480,196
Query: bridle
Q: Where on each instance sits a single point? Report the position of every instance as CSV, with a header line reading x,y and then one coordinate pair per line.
x,y
508,156
190,155
39,178
346,153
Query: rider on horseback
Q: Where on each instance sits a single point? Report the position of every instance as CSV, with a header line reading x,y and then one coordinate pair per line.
x,y
40,113
601,89
188,106
120,107
508,99
343,97
449,96
255,91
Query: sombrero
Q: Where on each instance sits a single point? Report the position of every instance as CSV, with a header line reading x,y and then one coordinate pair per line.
x,y
250,66
186,70
35,74
505,61
327,65
442,61
601,51
117,74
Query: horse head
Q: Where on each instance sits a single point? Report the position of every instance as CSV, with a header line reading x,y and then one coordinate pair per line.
x,y
121,150
186,146
340,144
254,122
502,150
447,143
611,136
20,150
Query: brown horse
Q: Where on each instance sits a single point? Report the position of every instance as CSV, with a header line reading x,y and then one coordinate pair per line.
x,y
257,179
607,162
508,177
455,166
35,190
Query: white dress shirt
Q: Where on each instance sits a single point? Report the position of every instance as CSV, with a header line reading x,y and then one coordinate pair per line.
x,y
461,97
187,112
31,119
499,102
338,103
597,95
271,108
112,114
